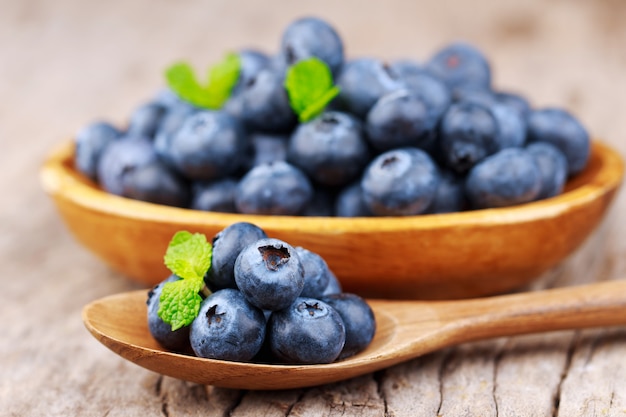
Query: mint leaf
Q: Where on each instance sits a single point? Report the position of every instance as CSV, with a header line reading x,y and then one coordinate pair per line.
x,y
180,302
188,255
310,87
222,78
182,80
317,107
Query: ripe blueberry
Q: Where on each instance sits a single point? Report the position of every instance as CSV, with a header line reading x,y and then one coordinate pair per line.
x,y
209,145
273,188
227,327
330,149
309,331
177,340
358,319
227,244
563,130
400,182
269,273
90,142
506,178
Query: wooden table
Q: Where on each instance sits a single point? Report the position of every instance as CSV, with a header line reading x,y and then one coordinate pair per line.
x,y
64,63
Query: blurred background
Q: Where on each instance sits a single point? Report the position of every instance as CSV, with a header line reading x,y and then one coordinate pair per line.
x,y
66,62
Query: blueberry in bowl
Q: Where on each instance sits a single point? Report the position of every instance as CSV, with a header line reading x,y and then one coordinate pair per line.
x,y
405,178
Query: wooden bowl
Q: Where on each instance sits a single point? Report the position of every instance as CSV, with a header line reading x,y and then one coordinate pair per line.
x,y
454,255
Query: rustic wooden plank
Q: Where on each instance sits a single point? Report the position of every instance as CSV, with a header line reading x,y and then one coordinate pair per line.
x,y
529,373
594,384
414,388
267,404
356,397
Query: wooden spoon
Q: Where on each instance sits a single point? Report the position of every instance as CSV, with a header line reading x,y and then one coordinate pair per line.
x,y
405,330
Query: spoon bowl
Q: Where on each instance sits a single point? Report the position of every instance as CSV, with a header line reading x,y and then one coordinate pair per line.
x,y
405,330
433,256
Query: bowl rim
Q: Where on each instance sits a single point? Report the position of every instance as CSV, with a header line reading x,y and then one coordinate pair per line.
x,y
60,179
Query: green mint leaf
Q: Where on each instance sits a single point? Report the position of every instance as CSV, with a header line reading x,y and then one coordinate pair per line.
x,y
222,78
182,80
188,255
310,87
180,302
317,107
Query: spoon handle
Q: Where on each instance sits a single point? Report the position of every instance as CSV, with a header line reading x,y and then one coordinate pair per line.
x,y
598,304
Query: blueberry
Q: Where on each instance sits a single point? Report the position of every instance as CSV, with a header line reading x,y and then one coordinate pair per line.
x,y
334,286
358,319
312,37
330,149
90,143
177,340
156,183
510,121
252,62
400,118
227,244
234,105
450,194
322,204
209,145
460,64
552,167
400,182
434,93
227,327
218,195
362,82
563,130
121,158
350,202
169,126
474,93
145,119
316,273
264,104
514,100
273,188
269,273
469,133
509,177
511,126
268,148
309,331
403,68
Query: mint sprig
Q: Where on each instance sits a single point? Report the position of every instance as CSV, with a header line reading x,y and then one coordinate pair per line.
x,y
310,87
189,257
221,80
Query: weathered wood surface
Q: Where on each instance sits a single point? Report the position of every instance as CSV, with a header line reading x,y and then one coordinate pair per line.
x,y
65,62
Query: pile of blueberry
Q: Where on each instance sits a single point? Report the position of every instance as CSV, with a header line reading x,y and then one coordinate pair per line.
x,y
400,138
271,302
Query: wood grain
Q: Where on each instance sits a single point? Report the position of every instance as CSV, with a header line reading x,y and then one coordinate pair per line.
x,y
66,62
